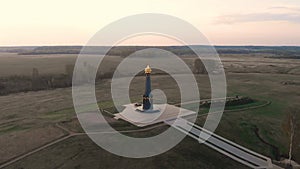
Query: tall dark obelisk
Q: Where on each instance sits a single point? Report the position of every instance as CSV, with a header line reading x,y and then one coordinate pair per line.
x,y
147,97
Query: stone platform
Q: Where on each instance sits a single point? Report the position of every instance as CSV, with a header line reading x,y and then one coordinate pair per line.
x,y
163,112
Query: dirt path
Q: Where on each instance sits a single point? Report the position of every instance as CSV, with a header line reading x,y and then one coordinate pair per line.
x,y
69,135
33,151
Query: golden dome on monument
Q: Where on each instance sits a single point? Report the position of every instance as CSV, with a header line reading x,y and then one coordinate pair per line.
x,y
148,69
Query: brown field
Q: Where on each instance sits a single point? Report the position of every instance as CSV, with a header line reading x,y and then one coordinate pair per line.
x,y
14,64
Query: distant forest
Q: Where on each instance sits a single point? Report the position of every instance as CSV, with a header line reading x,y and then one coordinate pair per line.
x,y
272,51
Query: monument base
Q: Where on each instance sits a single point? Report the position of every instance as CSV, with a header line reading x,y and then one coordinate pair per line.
x,y
159,114
140,109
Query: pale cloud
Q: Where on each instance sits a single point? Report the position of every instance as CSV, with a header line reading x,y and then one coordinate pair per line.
x,y
258,17
286,8
274,13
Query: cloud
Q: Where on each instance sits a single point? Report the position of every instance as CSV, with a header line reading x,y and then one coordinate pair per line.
x,y
286,8
276,13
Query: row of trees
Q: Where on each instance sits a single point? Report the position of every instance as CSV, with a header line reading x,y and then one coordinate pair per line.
x,y
211,66
36,82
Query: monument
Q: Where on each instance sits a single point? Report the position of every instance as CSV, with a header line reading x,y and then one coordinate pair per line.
x,y
149,113
147,106
147,97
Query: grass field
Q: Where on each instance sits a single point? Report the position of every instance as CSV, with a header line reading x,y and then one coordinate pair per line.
x,y
34,115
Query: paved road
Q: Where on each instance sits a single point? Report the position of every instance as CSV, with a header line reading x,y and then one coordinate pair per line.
x,y
222,145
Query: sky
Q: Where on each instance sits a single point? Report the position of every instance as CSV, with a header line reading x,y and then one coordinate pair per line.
x,y
223,22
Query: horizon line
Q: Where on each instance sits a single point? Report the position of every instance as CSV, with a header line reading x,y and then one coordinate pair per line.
x,y
220,45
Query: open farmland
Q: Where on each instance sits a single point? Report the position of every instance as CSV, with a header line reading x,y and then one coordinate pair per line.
x,y
35,116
